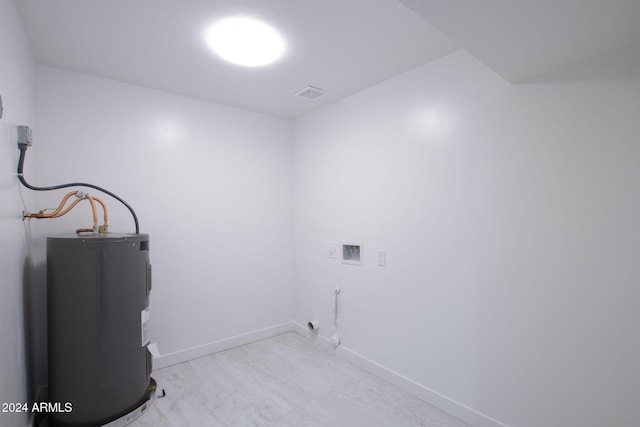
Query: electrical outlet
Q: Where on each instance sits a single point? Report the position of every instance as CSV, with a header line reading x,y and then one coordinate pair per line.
x,y
382,257
331,251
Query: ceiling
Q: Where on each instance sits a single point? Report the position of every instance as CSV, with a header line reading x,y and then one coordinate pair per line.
x,y
341,46
538,40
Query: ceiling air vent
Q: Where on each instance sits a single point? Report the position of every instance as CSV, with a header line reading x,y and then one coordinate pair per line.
x,y
310,92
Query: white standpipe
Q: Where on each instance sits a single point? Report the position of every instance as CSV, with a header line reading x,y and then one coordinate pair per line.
x,y
335,339
336,292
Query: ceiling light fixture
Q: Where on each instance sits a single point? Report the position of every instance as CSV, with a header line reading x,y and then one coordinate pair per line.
x,y
246,41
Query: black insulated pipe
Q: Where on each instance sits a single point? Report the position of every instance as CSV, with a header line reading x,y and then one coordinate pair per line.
x,y
23,149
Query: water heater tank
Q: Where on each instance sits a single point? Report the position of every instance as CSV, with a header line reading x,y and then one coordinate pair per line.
x,y
98,310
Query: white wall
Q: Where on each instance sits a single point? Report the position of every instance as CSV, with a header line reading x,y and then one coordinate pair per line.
x,y
510,219
210,184
507,213
16,89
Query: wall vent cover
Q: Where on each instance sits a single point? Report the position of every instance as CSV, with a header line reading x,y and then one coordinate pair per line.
x,y
311,92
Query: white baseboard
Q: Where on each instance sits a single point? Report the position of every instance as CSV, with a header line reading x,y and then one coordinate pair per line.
x,y
169,359
444,403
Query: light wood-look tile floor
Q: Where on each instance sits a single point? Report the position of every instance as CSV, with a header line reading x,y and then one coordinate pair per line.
x,y
282,381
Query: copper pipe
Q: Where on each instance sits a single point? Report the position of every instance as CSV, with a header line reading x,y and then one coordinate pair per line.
x,y
94,211
41,214
66,211
62,203
53,214
106,212
59,211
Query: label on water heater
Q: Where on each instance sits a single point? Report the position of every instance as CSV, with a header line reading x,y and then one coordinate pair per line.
x,y
145,326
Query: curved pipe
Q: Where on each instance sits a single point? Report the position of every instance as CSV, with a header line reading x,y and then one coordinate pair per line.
x,y
66,211
58,212
62,203
105,212
55,214
94,212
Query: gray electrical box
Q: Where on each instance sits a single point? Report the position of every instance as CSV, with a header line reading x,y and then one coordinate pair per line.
x,y
24,136
98,312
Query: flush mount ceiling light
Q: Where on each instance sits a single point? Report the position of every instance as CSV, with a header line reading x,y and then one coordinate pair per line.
x,y
245,41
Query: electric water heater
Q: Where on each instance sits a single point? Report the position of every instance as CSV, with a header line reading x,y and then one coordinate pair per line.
x,y
98,323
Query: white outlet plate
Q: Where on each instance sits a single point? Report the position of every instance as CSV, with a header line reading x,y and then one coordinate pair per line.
x,y
331,252
382,257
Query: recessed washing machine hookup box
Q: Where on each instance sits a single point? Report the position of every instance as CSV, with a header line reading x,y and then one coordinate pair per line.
x,y
352,253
